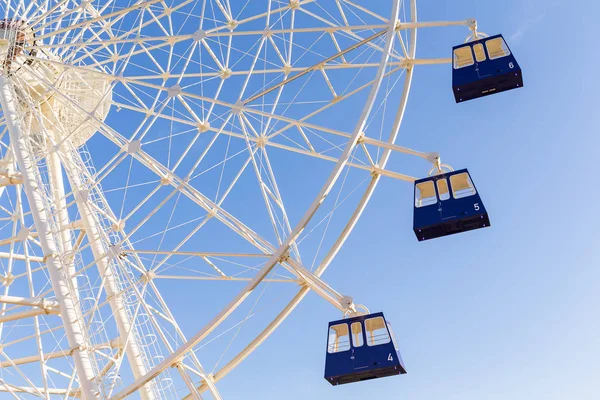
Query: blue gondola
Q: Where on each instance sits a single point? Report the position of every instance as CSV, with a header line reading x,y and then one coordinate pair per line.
x,y
446,204
361,348
483,67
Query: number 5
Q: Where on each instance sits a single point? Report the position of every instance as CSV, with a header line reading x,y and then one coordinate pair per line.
x,y
390,358
476,205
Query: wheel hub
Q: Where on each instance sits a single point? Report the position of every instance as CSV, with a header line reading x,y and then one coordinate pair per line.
x,y
15,35
56,99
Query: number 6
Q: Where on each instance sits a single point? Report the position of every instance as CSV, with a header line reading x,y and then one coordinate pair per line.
x,y
511,65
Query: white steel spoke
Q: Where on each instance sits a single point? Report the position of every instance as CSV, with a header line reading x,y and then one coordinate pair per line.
x,y
150,145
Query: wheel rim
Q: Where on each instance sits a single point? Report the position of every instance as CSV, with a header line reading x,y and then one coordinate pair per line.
x,y
143,146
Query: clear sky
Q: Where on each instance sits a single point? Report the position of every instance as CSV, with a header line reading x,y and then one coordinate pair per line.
x,y
508,312
503,313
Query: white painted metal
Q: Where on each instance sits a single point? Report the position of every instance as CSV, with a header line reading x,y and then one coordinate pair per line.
x,y
62,215
14,390
26,314
42,303
62,291
49,356
20,257
280,254
81,56
92,231
346,232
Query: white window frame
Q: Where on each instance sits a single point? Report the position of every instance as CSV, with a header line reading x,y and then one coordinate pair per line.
x,y
504,47
331,346
439,193
454,58
377,342
463,192
362,339
419,203
482,52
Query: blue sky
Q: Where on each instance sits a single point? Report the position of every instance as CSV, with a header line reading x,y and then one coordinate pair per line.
x,y
505,312
501,313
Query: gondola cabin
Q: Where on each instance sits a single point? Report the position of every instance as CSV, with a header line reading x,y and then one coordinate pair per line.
x,y
483,67
361,348
446,204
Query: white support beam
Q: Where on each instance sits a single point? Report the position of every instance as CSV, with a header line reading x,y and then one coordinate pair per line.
x,y
36,391
316,66
10,180
68,307
116,343
197,253
435,24
27,314
221,214
427,61
223,278
20,257
9,240
88,22
281,255
22,301
57,188
407,62
348,228
72,164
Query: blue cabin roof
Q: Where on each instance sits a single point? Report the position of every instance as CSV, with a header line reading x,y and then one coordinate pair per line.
x,y
446,204
483,67
361,348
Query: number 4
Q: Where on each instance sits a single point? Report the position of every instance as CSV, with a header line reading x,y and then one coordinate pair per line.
x,y
476,205
390,358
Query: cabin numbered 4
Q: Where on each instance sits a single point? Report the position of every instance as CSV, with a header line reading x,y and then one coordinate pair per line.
x,y
446,204
361,348
483,67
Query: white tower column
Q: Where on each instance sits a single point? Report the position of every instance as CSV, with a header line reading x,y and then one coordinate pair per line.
x,y
92,231
60,282
57,186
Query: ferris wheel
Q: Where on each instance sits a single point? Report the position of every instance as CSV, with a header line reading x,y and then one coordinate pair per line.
x,y
177,175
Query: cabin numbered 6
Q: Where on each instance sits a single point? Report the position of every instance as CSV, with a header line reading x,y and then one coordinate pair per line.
x,y
483,67
446,204
361,348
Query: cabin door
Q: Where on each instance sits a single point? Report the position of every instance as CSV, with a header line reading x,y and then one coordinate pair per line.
x,y
482,66
443,190
359,356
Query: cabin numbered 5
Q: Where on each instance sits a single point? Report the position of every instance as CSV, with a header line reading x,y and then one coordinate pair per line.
x,y
446,204
484,67
361,348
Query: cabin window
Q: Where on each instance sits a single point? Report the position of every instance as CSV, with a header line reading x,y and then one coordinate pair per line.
x,y
339,338
497,48
425,194
463,57
462,186
357,334
377,332
442,187
479,53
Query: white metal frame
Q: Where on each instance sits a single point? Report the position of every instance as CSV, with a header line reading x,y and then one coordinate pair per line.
x,y
57,235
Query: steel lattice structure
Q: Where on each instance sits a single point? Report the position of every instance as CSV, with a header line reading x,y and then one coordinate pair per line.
x,y
151,147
